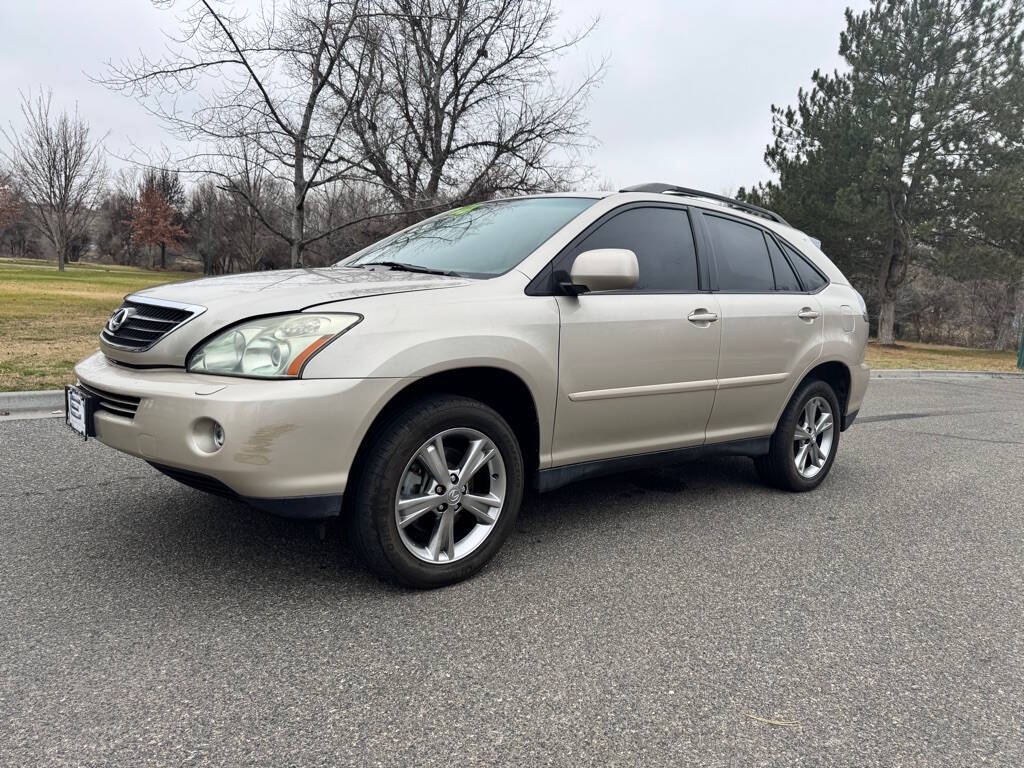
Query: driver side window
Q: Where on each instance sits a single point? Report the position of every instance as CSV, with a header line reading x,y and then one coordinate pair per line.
x,y
662,240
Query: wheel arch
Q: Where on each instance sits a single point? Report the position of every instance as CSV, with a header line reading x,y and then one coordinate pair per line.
x,y
499,388
835,373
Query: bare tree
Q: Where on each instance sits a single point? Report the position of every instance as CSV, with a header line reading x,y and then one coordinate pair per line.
x,y
205,219
115,215
457,100
15,233
345,203
260,83
250,190
59,170
10,200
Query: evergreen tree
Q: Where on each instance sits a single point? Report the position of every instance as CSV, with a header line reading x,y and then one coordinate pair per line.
x,y
883,155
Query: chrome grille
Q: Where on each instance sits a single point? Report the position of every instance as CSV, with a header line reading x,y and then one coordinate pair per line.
x,y
119,405
137,325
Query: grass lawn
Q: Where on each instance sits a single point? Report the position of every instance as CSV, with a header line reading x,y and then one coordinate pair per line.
x,y
906,354
49,321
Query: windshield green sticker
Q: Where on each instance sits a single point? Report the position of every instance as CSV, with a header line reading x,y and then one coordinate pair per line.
x,y
464,209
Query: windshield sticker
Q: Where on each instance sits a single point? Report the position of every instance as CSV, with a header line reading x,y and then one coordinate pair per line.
x,y
464,209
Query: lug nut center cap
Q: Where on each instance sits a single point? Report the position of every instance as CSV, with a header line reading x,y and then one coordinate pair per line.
x,y
454,496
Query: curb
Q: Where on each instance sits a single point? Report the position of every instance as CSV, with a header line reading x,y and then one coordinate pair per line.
x,y
40,400
913,373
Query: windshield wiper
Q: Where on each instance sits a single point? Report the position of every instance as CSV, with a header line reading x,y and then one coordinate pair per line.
x,y
412,268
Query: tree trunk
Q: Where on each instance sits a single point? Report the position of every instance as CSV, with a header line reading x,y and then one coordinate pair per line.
x,y
208,255
1007,335
298,225
61,248
887,320
298,201
890,278
163,255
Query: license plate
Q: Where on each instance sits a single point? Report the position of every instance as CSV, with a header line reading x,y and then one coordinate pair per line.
x,y
76,412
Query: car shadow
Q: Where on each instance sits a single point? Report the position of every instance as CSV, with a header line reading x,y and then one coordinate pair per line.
x,y
184,534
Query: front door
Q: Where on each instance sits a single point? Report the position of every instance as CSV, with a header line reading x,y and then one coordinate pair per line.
x,y
637,368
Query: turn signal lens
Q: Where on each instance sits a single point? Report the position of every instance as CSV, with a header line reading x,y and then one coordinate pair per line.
x,y
304,355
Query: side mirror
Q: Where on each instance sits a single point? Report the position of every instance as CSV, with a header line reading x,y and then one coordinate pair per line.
x,y
603,269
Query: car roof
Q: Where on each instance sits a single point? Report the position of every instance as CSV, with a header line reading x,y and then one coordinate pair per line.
x,y
695,198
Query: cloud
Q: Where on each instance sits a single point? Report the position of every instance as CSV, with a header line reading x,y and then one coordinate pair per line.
x,y
686,98
690,84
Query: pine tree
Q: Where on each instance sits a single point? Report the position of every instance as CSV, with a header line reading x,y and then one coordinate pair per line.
x,y
889,148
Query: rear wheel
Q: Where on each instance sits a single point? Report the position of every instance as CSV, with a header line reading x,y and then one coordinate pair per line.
x,y
805,442
438,492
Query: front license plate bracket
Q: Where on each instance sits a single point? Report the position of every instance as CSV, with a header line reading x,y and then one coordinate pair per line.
x,y
79,407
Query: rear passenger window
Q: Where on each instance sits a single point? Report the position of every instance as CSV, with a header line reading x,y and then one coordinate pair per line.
x,y
741,256
785,278
662,240
809,276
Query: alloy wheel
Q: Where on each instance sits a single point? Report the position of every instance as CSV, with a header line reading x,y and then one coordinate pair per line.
x,y
813,437
450,495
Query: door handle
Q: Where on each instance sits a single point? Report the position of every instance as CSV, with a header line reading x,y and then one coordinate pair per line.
x,y
808,314
702,316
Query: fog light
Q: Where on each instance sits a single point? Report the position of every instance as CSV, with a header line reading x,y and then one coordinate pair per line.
x,y
207,435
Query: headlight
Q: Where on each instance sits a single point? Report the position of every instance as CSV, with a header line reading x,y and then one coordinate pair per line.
x,y
273,347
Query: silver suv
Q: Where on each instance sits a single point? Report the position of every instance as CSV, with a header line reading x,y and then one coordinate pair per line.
x,y
420,386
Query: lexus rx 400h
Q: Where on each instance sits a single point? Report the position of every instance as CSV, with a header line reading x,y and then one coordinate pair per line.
x,y
420,386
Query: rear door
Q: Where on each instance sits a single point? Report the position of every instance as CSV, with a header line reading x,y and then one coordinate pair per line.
x,y
771,328
635,374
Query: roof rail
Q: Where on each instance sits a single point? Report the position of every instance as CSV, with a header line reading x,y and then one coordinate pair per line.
x,y
687,192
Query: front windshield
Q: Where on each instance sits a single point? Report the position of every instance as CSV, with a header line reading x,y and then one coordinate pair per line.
x,y
480,240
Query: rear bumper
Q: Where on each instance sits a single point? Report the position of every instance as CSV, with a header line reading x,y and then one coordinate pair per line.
x,y
288,445
851,416
859,376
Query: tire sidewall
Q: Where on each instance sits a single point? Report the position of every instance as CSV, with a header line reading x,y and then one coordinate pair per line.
x,y
787,426
390,455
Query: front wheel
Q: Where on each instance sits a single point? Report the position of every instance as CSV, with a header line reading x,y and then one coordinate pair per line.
x,y
438,492
806,440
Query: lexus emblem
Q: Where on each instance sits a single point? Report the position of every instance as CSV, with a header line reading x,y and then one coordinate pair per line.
x,y
119,318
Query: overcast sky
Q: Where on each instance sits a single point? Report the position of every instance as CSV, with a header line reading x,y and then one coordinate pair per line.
x,y
685,100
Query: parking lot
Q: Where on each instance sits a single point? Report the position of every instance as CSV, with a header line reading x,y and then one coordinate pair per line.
x,y
660,618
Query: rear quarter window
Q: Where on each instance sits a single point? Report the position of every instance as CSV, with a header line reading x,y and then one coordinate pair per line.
x,y
785,277
812,279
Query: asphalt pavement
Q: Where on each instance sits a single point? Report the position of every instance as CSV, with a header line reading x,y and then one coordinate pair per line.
x,y
680,617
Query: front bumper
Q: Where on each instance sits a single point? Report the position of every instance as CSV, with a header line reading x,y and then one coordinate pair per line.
x,y
288,445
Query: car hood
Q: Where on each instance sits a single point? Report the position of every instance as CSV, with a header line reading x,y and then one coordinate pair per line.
x,y
222,301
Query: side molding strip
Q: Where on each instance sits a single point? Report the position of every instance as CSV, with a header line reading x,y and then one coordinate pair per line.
x,y
645,389
752,381
681,386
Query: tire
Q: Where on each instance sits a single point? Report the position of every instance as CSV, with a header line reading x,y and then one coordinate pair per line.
x,y
445,543
779,467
